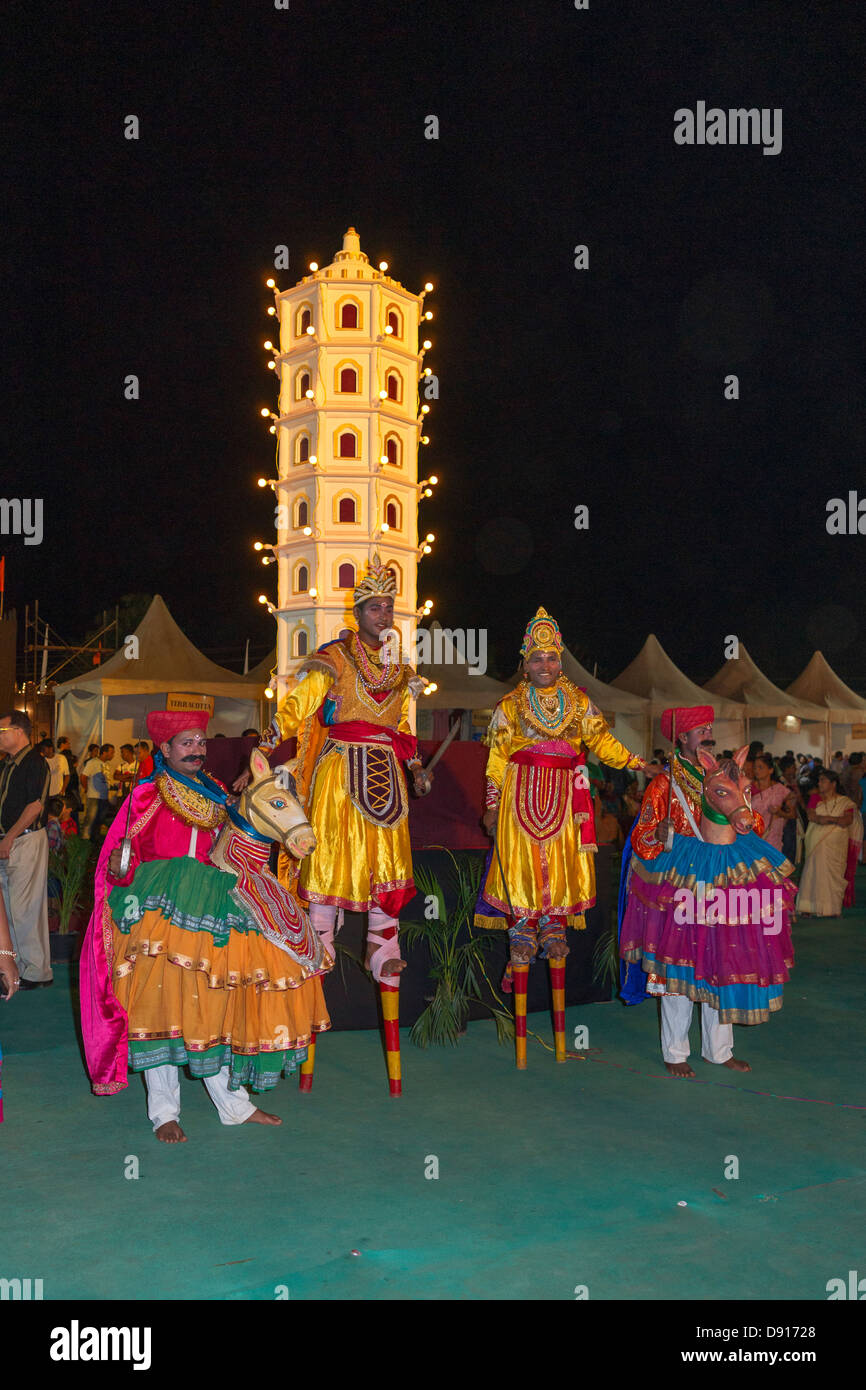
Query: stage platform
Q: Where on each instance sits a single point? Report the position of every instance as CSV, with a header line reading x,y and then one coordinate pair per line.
x,y
557,1177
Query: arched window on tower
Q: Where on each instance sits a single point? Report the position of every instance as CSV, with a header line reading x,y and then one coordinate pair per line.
x,y
392,450
303,384
302,579
302,451
304,320
302,513
395,322
392,386
349,380
398,575
346,511
348,446
392,514
349,316
300,643
346,576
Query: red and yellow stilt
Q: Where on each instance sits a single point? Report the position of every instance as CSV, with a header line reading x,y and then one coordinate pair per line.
x,y
520,978
557,982
305,1082
390,995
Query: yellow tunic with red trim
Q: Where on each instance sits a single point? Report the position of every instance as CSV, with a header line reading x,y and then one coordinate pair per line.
x,y
545,841
357,800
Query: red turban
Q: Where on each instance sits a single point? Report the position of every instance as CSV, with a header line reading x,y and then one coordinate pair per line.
x,y
164,724
687,718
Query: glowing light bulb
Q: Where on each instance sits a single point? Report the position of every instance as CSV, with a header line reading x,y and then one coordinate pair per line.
x,y
272,430
270,366
428,492
271,284
268,344
426,550
264,412
258,546
385,526
309,395
269,694
425,439
271,310
388,328
263,482
383,458
426,343
429,314
314,265
428,287
314,593
433,478
383,265
425,410
429,536
314,458
308,530
263,598
383,395
310,329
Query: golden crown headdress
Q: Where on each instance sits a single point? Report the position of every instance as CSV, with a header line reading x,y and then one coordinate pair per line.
x,y
542,635
378,581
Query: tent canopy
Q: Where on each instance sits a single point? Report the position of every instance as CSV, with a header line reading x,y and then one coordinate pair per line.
x,y
653,675
818,683
458,688
166,662
740,679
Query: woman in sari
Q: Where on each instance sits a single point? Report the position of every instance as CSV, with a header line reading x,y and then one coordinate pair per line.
x,y
823,883
772,798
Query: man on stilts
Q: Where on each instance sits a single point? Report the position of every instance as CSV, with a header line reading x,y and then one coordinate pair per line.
x,y
350,712
541,874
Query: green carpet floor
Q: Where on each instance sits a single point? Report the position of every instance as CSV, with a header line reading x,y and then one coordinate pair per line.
x,y
549,1180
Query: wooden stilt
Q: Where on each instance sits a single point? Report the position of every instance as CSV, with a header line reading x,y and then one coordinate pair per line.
x,y
557,981
305,1082
390,995
520,974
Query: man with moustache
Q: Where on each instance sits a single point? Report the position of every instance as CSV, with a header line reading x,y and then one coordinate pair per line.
x,y
672,806
177,811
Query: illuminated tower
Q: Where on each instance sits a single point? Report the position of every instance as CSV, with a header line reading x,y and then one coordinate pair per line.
x,y
350,419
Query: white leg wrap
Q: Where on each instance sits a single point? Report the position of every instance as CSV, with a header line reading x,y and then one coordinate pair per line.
x,y
381,947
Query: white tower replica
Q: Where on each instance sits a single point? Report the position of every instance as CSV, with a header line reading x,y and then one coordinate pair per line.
x,y
349,424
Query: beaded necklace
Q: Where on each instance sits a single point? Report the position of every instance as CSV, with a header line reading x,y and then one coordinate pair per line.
x,y
386,680
548,713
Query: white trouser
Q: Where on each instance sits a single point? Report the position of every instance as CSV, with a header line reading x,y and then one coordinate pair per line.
x,y
717,1039
163,1096
23,880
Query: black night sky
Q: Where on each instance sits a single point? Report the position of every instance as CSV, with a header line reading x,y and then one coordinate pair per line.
x,y
558,387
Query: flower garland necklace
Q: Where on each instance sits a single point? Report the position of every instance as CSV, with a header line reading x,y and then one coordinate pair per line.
x,y
389,674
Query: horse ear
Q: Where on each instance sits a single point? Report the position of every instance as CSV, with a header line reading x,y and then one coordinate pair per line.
x,y
741,755
706,760
259,765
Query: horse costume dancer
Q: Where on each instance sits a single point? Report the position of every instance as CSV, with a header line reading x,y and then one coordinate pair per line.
x,y
541,874
198,955
708,917
349,710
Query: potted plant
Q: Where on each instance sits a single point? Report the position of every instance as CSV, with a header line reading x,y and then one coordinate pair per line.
x,y
457,964
69,868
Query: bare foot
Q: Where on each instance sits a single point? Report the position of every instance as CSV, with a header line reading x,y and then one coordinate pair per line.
x,y
735,1064
392,967
171,1133
679,1068
261,1117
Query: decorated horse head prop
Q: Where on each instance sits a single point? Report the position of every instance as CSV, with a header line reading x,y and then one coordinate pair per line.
x,y
269,803
726,812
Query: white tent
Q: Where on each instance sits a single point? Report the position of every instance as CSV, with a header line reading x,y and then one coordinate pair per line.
x,y
109,704
846,709
740,679
658,680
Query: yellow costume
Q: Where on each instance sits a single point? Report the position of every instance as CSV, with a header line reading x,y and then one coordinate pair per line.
x,y
545,833
349,759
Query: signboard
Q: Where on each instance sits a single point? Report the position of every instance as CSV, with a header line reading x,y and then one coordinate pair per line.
x,y
858,730
789,723
180,701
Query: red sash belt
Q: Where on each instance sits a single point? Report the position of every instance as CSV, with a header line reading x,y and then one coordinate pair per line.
x,y
581,799
361,731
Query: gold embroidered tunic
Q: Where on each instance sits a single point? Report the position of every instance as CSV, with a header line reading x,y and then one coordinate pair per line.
x,y
350,758
544,831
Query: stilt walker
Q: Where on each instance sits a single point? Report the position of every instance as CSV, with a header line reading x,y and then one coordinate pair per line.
x,y
541,876
349,710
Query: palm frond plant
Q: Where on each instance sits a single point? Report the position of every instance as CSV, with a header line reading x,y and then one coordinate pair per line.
x,y
69,867
457,967
605,955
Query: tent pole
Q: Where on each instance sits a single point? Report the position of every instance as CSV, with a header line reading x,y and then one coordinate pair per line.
x,y
103,700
